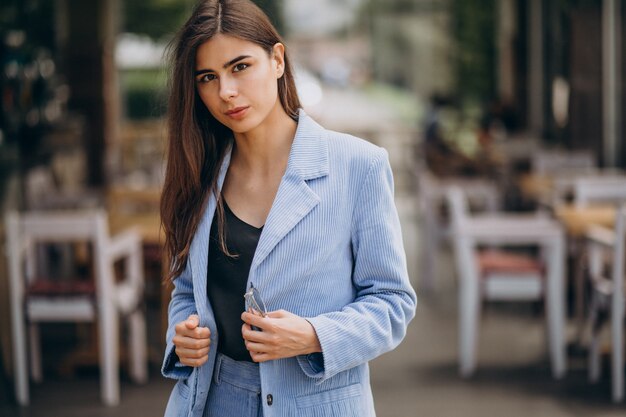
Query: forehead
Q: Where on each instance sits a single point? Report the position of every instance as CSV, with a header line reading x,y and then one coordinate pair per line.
x,y
221,48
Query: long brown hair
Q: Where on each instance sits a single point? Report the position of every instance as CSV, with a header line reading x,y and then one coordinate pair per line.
x,y
198,142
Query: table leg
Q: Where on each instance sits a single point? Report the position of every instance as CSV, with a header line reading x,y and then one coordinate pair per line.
x,y
556,307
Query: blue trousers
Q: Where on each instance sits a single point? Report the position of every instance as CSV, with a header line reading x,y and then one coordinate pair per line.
x,y
235,389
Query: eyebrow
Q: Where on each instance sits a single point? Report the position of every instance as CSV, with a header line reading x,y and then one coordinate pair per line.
x,y
226,65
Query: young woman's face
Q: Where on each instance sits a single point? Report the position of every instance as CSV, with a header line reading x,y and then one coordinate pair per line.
x,y
237,81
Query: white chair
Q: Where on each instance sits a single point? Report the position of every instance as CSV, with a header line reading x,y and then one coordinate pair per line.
x,y
432,194
561,168
35,299
507,276
607,295
588,191
41,192
554,162
598,190
564,185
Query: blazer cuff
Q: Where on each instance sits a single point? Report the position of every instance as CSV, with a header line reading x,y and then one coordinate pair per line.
x,y
172,368
312,365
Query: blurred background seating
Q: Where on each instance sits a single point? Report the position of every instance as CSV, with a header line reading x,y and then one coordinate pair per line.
x,y
39,295
496,274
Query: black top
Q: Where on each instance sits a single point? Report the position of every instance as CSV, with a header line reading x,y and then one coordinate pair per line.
x,y
227,278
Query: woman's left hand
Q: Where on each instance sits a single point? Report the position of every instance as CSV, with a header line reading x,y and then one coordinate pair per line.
x,y
283,335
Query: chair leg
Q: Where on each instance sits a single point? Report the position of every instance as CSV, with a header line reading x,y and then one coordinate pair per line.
x,y
593,330
35,352
16,293
469,312
617,351
108,334
579,288
595,368
556,308
20,365
137,347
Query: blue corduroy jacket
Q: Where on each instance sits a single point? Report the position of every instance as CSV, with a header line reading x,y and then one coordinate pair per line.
x,y
330,251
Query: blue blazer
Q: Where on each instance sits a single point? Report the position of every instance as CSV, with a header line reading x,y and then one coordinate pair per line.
x,y
330,251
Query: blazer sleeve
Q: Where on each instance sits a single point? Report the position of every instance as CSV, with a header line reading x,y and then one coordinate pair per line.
x,y
181,306
376,321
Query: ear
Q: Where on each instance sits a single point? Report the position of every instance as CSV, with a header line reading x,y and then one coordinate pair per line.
x,y
278,57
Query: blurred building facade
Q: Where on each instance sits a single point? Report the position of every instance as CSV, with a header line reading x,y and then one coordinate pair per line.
x,y
60,80
558,65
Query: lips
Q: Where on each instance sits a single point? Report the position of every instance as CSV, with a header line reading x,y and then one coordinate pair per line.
x,y
237,112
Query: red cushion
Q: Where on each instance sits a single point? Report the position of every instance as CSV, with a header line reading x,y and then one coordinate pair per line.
x,y
152,252
495,261
55,288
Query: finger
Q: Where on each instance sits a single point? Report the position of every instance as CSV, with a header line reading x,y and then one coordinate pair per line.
x,y
196,333
190,342
201,333
180,327
254,320
194,362
192,321
245,330
256,347
279,314
260,357
254,335
182,352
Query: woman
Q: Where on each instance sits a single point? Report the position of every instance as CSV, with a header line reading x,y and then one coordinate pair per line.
x,y
257,194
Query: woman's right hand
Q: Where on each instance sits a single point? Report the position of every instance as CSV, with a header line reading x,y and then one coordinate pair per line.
x,y
192,342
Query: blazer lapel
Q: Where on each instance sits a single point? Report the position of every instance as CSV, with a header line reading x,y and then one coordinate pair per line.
x,y
308,160
199,250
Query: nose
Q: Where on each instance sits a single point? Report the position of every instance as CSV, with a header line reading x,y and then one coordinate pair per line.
x,y
228,88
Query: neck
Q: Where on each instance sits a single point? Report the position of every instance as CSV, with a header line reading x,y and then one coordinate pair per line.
x,y
267,147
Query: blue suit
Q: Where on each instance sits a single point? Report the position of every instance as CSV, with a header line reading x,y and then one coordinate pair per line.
x,y
330,251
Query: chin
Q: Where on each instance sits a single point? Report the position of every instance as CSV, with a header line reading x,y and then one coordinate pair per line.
x,y
243,126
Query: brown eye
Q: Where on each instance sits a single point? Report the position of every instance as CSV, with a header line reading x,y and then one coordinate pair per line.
x,y
240,67
206,78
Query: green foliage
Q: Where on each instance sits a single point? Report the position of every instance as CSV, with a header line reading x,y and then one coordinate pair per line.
x,y
144,93
161,18
155,18
474,32
404,6
273,9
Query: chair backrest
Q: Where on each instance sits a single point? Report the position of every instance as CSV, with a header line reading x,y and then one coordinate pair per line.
x,y
26,230
458,208
463,249
611,189
555,161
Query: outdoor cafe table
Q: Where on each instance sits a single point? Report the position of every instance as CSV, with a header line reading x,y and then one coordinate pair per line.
x,y
552,190
577,221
